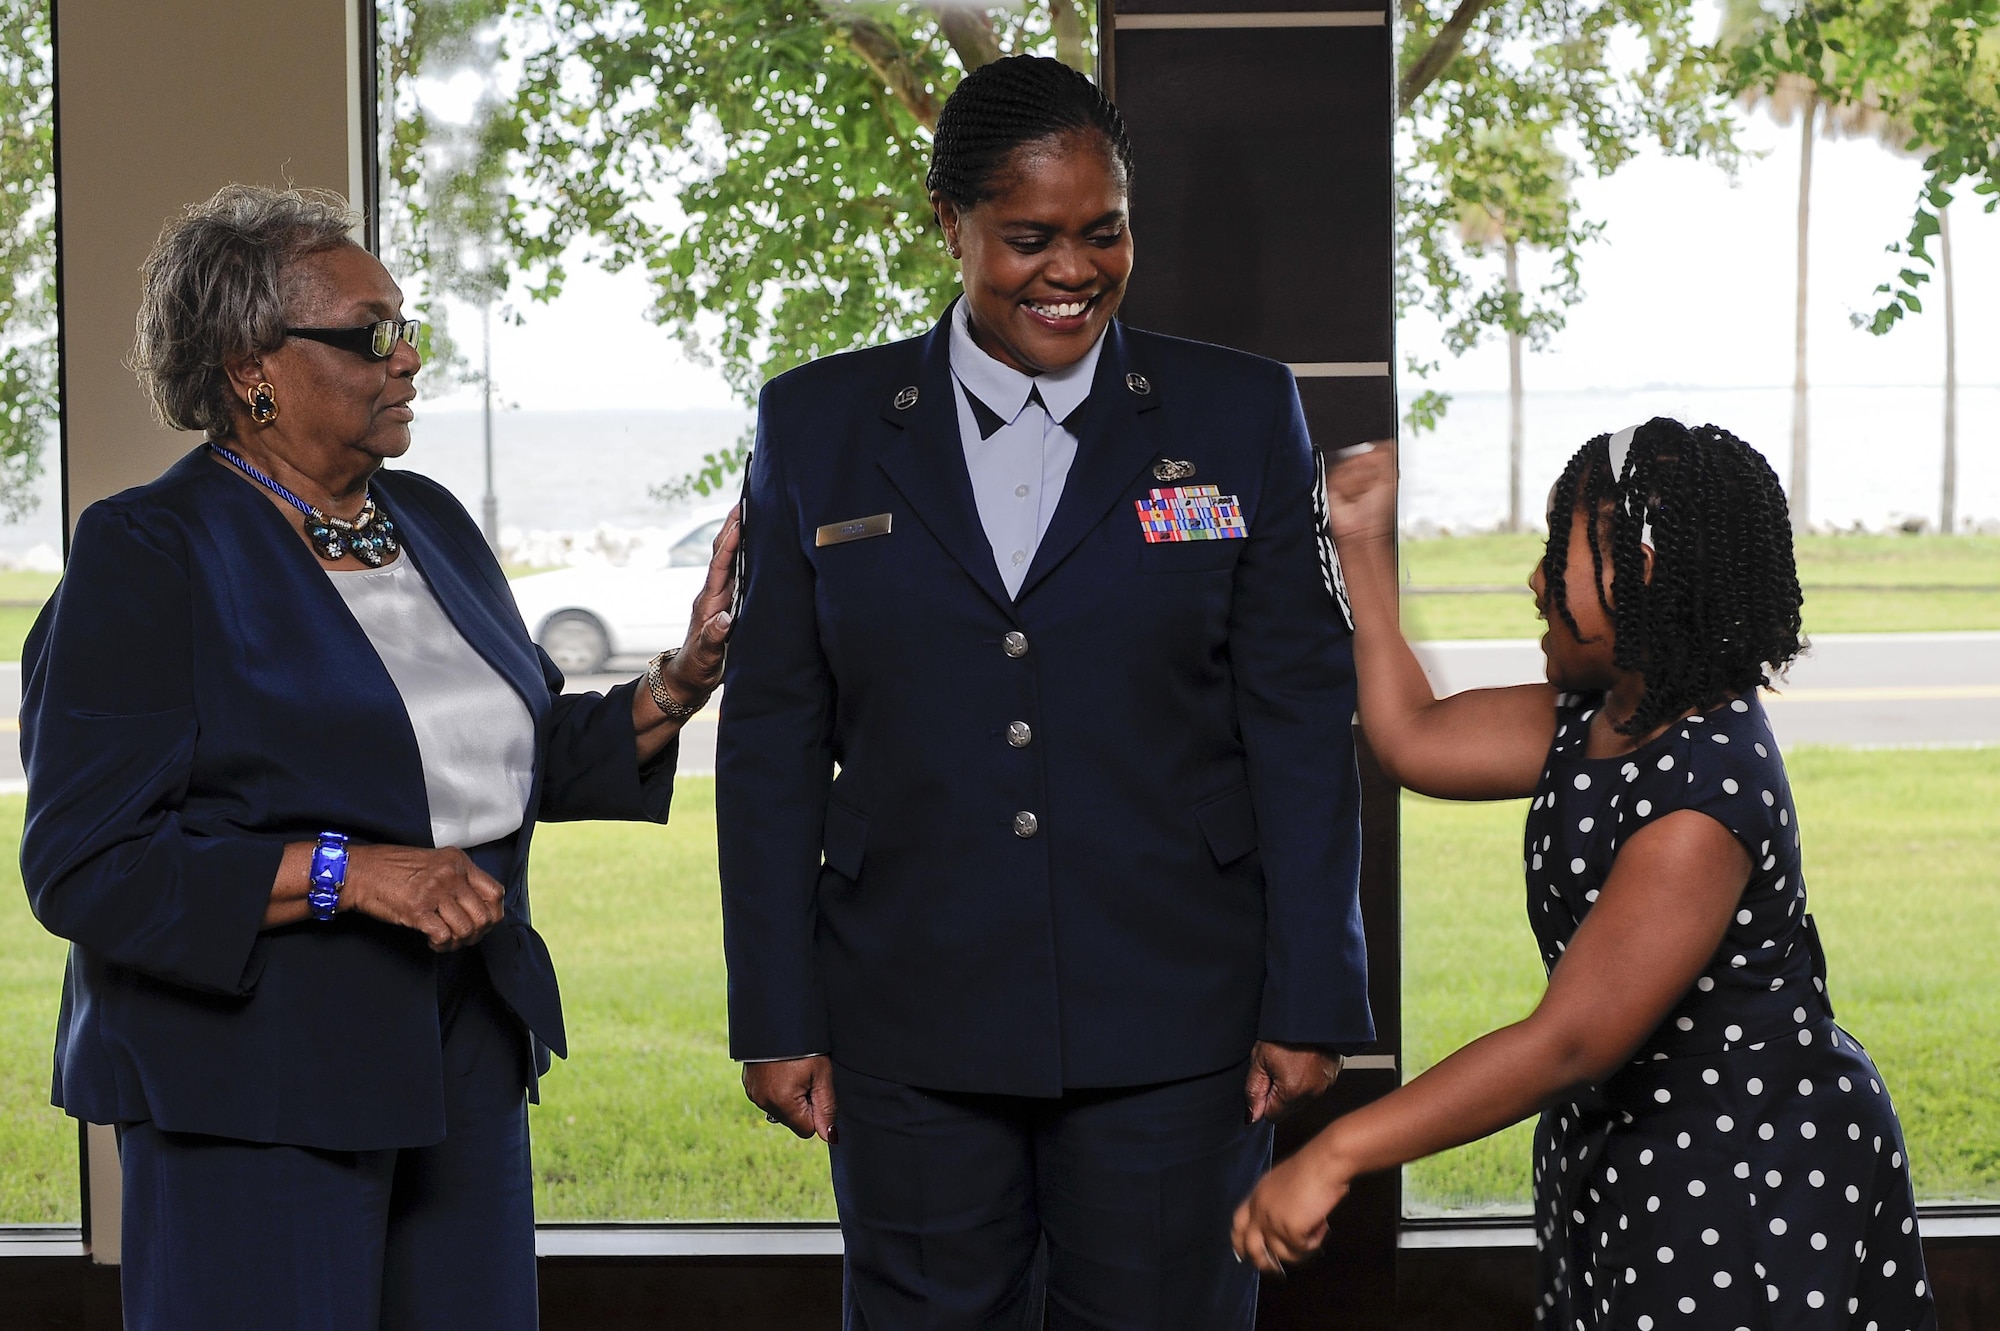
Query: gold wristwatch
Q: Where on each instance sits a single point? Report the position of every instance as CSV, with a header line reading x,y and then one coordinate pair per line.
x,y
655,685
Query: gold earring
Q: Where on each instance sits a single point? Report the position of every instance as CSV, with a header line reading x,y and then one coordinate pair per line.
x,y
263,404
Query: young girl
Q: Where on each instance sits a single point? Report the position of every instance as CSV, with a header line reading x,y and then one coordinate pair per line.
x,y
1713,1152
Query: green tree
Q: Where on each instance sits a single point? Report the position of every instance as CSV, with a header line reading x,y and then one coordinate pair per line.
x,y
1503,104
450,224
28,400
1515,193
761,160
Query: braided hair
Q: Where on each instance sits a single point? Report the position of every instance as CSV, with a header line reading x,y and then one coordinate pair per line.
x,y
1724,603
1001,106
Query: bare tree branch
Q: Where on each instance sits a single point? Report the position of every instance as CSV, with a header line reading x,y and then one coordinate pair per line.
x,y
1444,49
877,44
970,33
1067,24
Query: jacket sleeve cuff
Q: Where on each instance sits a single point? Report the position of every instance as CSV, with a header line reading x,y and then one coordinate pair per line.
x,y
217,937
593,763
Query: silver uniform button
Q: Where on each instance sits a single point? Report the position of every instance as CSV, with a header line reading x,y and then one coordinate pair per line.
x,y
1015,644
1026,824
1020,734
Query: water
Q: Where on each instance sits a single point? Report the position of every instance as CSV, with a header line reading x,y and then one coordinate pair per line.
x,y
1876,458
1877,453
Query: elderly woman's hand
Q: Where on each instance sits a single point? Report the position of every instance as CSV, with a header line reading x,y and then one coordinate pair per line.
x,y
441,894
696,671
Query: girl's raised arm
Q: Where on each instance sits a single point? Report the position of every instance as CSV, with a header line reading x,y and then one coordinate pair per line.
x,y
1482,744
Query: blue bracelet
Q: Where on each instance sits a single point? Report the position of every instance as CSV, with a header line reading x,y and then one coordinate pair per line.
x,y
327,875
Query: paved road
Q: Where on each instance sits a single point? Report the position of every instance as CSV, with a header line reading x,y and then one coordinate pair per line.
x,y
1849,688
1885,689
1853,688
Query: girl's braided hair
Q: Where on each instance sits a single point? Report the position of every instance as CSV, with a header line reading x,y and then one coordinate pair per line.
x,y
998,107
1723,606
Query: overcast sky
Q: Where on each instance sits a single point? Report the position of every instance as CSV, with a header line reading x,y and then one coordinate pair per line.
x,y
1692,284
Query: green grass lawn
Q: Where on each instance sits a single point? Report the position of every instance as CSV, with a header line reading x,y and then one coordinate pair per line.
x,y
38,1176
16,620
1900,855
647,1119
1958,576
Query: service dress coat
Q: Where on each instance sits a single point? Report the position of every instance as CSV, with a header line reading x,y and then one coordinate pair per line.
x,y
1102,833
196,695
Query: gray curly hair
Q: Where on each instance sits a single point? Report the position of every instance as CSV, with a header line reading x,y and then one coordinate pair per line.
x,y
215,285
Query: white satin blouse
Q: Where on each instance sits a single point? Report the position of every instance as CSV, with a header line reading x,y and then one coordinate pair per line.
x,y
474,732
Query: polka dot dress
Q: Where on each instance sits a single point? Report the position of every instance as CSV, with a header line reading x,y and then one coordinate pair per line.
x,y
1746,1169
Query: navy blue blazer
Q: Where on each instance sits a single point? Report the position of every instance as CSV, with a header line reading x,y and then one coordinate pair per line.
x,y
1191,883
197,695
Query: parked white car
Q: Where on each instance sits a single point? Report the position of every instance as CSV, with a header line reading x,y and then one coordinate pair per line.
x,y
585,615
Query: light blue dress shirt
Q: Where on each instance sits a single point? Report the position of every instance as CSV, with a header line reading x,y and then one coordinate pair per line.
x,y
1019,469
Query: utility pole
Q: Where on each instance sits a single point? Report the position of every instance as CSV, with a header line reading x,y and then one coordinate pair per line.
x,y
1801,496
1516,426
489,507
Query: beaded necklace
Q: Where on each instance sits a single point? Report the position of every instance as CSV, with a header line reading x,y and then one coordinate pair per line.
x,y
370,536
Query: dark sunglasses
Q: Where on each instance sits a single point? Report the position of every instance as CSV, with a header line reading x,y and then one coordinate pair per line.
x,y
376,341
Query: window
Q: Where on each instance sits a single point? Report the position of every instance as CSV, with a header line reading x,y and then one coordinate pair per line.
x,y
38,1167
597,414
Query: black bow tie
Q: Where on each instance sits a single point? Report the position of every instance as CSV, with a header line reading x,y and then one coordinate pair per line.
x,y
989,420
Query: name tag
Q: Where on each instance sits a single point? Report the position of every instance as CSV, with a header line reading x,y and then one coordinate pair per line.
x,y
1191,513
857,529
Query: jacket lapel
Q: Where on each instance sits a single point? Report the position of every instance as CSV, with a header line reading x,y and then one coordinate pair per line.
x,y
925,460
1114,444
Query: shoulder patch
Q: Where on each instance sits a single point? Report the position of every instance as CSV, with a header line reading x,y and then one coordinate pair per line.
x,y
1329,558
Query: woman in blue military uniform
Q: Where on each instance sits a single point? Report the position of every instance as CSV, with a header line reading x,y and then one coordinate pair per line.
x,y
1078,914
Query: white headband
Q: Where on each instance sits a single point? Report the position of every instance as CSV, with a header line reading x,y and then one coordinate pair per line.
x,y
1620,449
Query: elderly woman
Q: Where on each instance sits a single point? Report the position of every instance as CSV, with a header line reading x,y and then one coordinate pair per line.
x,y
287,740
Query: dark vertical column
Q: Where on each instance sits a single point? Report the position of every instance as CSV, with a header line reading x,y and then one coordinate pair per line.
x,y
1263,212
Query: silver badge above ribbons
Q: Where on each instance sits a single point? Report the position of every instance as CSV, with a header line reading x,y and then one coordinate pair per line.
x,y
1167,469
907,398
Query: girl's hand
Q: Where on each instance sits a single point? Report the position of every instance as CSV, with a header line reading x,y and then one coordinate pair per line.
x,y
1284,1220
1361,492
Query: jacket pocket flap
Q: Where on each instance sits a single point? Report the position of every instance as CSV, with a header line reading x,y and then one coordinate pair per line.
x,y
845,840
1229,821
1189,556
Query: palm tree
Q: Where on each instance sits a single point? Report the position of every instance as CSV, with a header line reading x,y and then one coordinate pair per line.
x,y
1480,228
1787,96
1948,513
1790,96
1516,207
